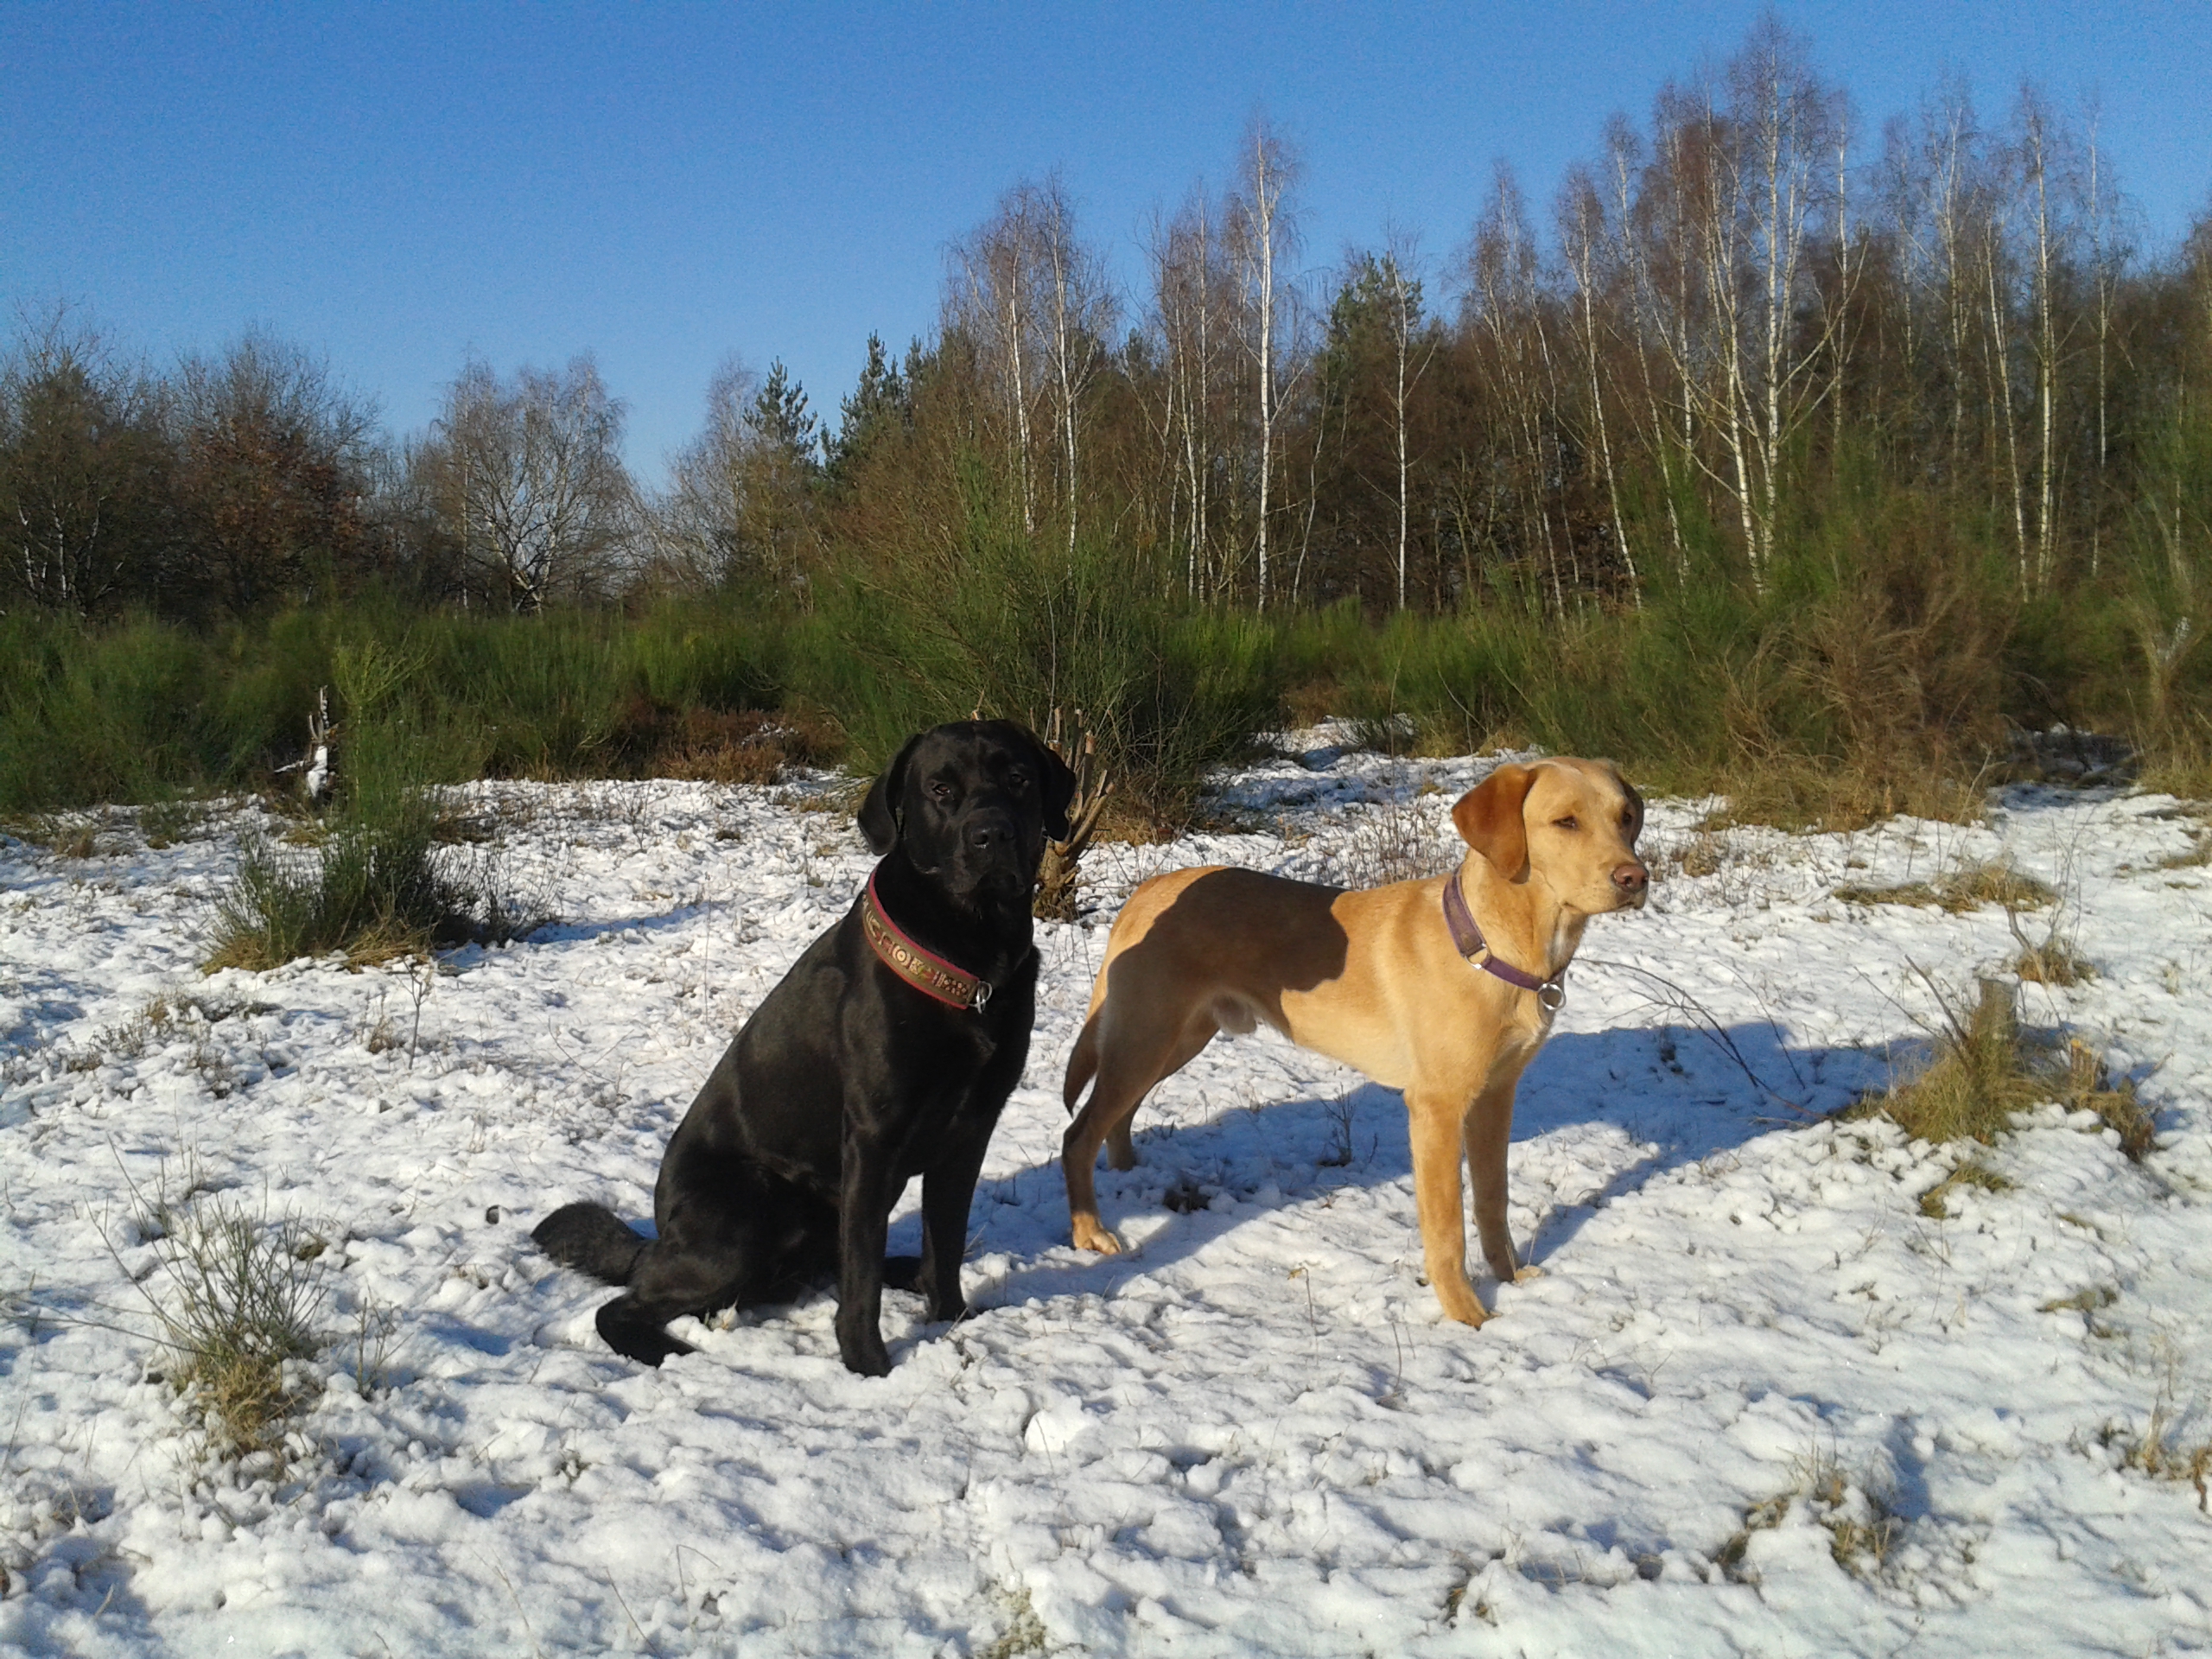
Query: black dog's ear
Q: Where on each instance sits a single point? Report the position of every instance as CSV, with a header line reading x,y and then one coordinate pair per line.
x,y
1059,791
879,814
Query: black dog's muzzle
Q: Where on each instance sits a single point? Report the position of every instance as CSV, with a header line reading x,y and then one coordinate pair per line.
x,y
992,851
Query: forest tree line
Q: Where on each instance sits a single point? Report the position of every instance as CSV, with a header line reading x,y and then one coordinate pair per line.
x,y
1721,312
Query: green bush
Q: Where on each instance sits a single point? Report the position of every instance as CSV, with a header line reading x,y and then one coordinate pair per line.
x,y
1016,626
377,883
1875,671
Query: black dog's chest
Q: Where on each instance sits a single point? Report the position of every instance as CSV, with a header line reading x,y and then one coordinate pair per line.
x,y
970,1062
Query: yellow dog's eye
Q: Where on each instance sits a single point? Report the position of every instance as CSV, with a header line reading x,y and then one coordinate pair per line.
x,y
1567,823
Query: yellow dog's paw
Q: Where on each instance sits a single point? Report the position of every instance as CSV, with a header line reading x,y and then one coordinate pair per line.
x,y
1523,1274
1459,1301
1090,1235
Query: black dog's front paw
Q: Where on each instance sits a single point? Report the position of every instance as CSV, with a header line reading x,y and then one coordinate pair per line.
x,y
870,1362
863,1352
945,1312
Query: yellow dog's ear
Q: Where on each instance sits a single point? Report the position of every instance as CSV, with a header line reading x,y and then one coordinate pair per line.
x,y
1635,802
1488,819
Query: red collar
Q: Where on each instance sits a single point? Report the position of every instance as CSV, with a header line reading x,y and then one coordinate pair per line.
x,y
924,971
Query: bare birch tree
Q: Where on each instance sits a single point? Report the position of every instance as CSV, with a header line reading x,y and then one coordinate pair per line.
x,y
1411,349
1505,299
533,476
1742,182
991,296
1083,313
2110,247
1583,239
1193,320
1265,238
2049,178
1638,211
1786,124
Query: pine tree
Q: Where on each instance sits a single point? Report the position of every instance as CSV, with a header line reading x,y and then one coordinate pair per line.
x,y
881,403
780,417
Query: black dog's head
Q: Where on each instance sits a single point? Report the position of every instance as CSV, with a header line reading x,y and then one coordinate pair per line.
x,y
971,804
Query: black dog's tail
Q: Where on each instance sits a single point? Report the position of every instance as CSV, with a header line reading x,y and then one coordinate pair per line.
x,y
592,1239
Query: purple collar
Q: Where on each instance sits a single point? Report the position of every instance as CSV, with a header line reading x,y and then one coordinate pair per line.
x,y
1467,939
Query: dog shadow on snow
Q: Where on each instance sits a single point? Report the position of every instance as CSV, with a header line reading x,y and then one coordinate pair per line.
x,y
1668,1097
1623,1107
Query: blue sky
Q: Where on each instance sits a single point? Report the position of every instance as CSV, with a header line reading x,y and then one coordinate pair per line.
x,y
662,184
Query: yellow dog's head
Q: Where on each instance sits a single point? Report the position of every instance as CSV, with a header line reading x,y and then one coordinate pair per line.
x,y
1571,824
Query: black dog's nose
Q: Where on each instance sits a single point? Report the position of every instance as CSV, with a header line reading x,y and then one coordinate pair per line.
x,y
986,833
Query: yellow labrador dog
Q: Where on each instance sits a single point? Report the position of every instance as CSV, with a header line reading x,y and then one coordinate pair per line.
x,y
1444,988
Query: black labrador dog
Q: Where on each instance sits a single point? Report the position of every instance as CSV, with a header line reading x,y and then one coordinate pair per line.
x,y
887,1052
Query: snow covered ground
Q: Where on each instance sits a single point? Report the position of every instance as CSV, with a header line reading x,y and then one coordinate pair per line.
x,y
1252,1434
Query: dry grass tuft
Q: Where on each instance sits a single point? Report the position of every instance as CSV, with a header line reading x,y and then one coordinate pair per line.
x,y
2084,1084
2162,1456
2090,1298
372,891
1025,1633
164,823
1391,840
2055,962
1935,1203
1798,793
1963,889
1863,1531
2052,960
2163,1450
65,835
1699,855
1760,1518
1907,892
2178,760
245,1296
2198,854
1983,1070
840,797
160,1021
1977,1078
1994,883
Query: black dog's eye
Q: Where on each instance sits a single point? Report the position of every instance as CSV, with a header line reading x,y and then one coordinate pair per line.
x,y
942,790
1018,780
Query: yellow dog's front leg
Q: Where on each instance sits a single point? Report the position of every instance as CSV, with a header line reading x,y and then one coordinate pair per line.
x,y
1434,1130
1488,1132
